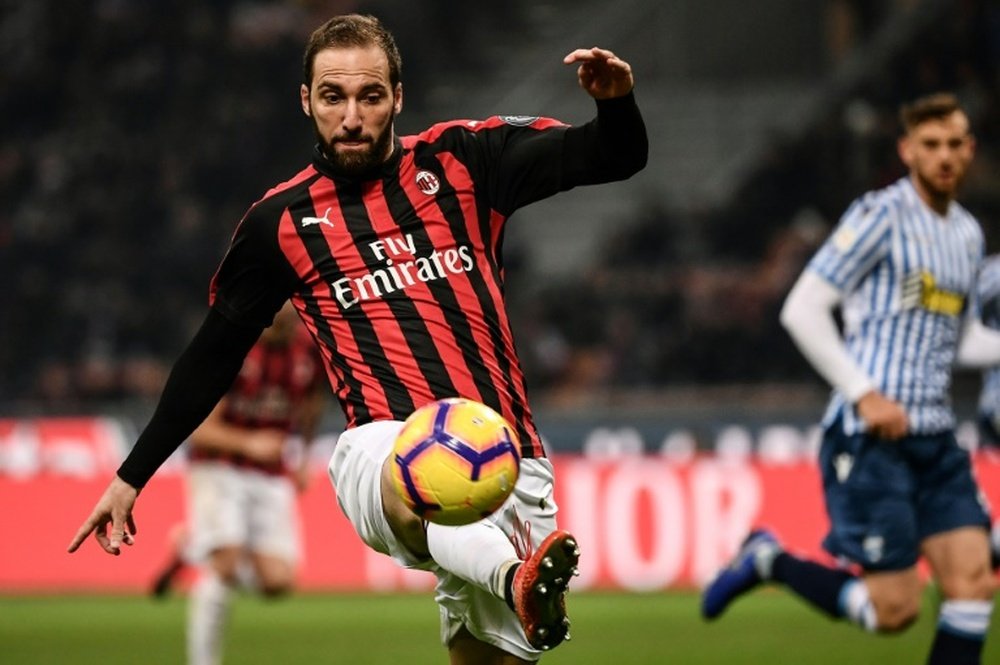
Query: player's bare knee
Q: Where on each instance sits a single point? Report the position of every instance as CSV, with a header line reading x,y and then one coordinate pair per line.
x,y
896,615
976,584
223,563
406,526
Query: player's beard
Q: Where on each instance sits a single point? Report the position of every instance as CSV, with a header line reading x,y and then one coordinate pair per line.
x,y
357,163
939,193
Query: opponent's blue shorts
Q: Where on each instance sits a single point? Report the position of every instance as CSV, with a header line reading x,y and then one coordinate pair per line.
x,y
884,497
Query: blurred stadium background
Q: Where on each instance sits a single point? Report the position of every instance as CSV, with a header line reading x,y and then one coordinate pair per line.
x,y
135,134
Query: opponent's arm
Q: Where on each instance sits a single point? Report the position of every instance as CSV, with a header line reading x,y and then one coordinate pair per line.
x,y
978,346
807,315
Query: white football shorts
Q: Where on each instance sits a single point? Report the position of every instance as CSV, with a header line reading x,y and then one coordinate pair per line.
x,y
530,513
230,506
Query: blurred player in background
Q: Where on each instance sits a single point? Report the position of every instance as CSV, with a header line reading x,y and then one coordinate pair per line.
x,y
903,263
242,509
390,249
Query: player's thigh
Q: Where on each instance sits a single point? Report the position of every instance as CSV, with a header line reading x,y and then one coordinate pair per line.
x,y
407,527
464,649
948,497
868,489
960,562
217,508
356,471
273,523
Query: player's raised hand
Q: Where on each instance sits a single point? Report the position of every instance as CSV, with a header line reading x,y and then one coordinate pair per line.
x,y
601,73
115,508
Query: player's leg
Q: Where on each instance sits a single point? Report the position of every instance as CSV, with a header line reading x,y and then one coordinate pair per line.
x,y
464,649
218,535
275,574
479,553
867,487
536,587
960,562
208,606
955,529
474,557
176,562
273,538
884,601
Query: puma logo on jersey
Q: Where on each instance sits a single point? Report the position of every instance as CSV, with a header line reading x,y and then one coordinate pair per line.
x,y
325,219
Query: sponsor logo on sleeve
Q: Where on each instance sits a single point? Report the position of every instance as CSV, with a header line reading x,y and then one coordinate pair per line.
x,y
518,120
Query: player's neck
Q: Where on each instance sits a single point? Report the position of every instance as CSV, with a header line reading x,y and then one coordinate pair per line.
x,y
936,201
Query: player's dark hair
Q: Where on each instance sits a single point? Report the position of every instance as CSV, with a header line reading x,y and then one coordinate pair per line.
x,y
938,106
352,30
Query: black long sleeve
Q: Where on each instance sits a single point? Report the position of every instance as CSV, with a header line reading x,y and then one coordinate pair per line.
x,y
199,379
536,164
612,146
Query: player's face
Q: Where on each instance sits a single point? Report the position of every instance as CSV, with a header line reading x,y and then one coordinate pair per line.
x,y
938,154
352,104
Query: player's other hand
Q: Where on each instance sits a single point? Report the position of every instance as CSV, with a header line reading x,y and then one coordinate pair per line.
x,y
885,418
601,73
264,446
114,508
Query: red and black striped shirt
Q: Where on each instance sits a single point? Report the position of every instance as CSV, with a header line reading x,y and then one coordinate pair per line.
x,y
399,276
276,379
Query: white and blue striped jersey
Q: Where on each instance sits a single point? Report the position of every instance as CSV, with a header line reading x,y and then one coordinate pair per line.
x,y
988,290
907,275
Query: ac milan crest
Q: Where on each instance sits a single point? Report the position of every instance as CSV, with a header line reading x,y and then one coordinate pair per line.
x,y
428,183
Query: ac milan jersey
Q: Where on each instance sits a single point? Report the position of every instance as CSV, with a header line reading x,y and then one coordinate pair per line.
x,y
399,277
272,384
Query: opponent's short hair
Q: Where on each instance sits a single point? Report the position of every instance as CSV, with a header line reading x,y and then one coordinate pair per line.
x,y
937,106
352,30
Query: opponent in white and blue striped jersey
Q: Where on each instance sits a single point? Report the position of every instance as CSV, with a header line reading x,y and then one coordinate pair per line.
x,y
902,265
907,274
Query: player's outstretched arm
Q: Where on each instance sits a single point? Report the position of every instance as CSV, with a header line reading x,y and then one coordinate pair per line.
x,y
198,380
601,73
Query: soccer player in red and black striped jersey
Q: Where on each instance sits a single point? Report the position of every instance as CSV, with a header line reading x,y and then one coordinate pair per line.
x,y
389,247
242,513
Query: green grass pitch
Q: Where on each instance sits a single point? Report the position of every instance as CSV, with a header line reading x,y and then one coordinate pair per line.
x,y
623,629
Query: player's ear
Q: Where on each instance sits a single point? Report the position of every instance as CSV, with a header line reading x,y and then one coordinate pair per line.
x,y
397,99
905,149
971,145
304,98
